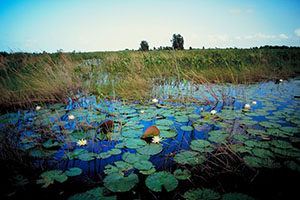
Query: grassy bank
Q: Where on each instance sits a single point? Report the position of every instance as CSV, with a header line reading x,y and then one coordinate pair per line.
x,y
29,78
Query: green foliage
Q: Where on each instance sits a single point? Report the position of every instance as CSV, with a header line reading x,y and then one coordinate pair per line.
x,y
156,181
115,182
201,194
144,46
177,41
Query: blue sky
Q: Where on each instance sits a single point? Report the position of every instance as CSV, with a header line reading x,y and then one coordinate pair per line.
x,y
90,25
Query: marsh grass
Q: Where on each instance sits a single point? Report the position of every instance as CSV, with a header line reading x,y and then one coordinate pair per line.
x,y
27,79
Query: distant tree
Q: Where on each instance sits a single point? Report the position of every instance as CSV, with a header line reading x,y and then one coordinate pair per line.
x,y
177,41
144,46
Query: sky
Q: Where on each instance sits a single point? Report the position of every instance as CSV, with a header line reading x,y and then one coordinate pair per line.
x,y
112,25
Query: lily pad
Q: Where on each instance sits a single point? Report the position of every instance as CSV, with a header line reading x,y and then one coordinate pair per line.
x,y
73,171
157,180
182,174
201,145
150,149
236,196
96,193
164,122
115,182
188,157
143,165
198,194
134,157
187,128
50,176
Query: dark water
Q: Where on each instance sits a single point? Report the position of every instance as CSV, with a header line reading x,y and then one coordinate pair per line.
x,y
276,104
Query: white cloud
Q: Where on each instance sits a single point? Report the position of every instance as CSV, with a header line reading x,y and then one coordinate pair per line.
x,y
261,36
297,32
283,36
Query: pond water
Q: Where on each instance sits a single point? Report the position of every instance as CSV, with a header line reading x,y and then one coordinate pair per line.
x,y
259,123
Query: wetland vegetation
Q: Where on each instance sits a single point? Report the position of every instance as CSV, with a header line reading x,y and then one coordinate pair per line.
x,y
227,124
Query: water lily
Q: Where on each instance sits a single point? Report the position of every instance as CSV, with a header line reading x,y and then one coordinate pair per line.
x,y
281,80
213,112
254,102
71,117
156,139
81,142
201,110
154,100
247,106
38,108
142,111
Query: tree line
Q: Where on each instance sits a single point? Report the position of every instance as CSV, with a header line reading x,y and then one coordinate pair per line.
x,y
177,43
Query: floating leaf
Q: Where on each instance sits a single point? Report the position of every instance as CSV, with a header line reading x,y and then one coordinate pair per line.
x,y
50,176
143,165
164,122
269,124
134,157
292,165
86,156
167,134
157,180
201,145
150,149
188,157
182,175
187,128
151,131
49,143
115,182
134,143
198,194
73,171
236,196
96,193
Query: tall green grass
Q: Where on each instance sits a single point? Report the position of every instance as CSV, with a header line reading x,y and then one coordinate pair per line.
x,y
26,79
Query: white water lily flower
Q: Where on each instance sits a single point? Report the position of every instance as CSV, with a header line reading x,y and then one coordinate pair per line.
x,y
142,111
38,108
154,100
71,117
213,112
281,80
254,102
247,106
156,139
81,142
201,110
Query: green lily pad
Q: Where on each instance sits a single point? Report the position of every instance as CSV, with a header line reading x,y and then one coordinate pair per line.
x,y
115,182
73,171
168,134
267,124
236,196
182,174
148,172
157,180
181,119
201,145
134,143
198,194
187,128
134,157
292,165
86,156
49,143
50,176
150,149
260,162
164,122
188,157
143,165
96,193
